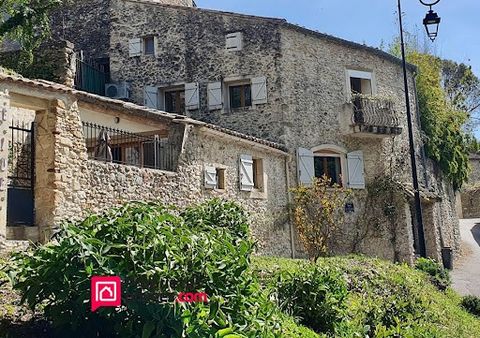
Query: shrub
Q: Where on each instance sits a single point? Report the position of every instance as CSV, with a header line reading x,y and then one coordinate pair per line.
x,y
438,275
471,304
318,210
158,252
316,295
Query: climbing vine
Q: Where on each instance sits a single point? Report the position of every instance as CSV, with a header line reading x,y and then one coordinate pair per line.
x,y
443,125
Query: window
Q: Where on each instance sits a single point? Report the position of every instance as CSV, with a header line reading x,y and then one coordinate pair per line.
x,y
149,45
220,178
360,82
329,166
240,96
258,174
175,101
361,86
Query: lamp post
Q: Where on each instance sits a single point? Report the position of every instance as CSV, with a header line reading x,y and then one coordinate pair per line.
x,y
430,20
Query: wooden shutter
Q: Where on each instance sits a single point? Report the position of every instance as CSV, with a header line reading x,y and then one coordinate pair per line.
x,y
234,41
155,46
214,95
246,173
192,98
151,97
259,90
210,177
135,47
305,166
355,165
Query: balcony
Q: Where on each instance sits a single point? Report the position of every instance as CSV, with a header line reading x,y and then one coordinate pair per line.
x,y
374,117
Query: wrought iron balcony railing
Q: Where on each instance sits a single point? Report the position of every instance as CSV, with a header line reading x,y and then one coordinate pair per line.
x,y
375,115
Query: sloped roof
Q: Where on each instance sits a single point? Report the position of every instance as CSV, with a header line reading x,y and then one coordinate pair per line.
x,y
130,108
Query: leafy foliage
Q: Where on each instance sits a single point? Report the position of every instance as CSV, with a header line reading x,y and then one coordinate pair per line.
x,y
382,300
472,305
27,22
438,275
317,296
446,141
158,252
318,210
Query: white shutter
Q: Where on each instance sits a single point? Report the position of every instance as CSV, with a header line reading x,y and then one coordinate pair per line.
x,y
151,97
135,47
210,178
234,41
355,165
214,95
259,90
305,166
246,173
191,96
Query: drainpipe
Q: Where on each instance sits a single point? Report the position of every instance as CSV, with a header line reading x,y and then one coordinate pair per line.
x,y
289,203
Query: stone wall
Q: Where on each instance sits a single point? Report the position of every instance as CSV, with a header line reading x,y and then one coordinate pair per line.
x,y
54,60
470,193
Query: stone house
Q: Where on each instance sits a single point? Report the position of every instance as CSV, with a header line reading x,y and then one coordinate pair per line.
x,y
150,156
336,107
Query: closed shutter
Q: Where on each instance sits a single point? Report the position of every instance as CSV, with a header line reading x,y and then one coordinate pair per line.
x,y
151,97
246,173
234,41
259,90
214,95
210,178
191,96
135,47
355,165
306,166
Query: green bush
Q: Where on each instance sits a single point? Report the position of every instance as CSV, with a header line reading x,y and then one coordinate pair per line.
x,y
158,252
438,275
472,305
316,295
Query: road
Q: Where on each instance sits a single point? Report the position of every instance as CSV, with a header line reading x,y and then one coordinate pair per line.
x,y
466,272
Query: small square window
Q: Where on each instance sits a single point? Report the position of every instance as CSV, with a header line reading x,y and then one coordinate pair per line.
x,y
220,178
361,86
149,45
175,101
240,96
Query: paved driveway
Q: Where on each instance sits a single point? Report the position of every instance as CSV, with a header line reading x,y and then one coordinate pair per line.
x,y
466,272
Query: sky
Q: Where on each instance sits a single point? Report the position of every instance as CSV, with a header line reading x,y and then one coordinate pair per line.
x,y
374,21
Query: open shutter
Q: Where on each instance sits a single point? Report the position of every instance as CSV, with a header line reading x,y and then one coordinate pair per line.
x,y
259,90
306,166
356,177
210,178
246,173
135,47
151,97
214,95
191,96
155,45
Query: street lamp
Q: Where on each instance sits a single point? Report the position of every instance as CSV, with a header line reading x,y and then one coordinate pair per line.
x,y
432,20
429,22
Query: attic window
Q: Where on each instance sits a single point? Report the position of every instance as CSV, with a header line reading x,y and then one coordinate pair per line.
x,y
234,41
360,82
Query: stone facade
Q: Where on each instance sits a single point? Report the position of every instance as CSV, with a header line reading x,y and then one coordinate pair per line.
x,y
69,185
308,106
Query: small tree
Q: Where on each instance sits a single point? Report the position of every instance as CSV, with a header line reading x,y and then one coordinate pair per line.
x,y
318,211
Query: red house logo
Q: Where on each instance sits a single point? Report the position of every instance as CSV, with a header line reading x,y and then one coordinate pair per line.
x,y
105,292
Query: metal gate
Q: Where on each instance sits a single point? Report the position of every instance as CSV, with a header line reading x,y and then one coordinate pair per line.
x,y
21,175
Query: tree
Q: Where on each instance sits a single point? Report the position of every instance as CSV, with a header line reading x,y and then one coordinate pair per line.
x,y
26,22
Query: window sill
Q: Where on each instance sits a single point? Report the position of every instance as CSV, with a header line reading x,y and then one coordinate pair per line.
x,y
258,194
238,110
